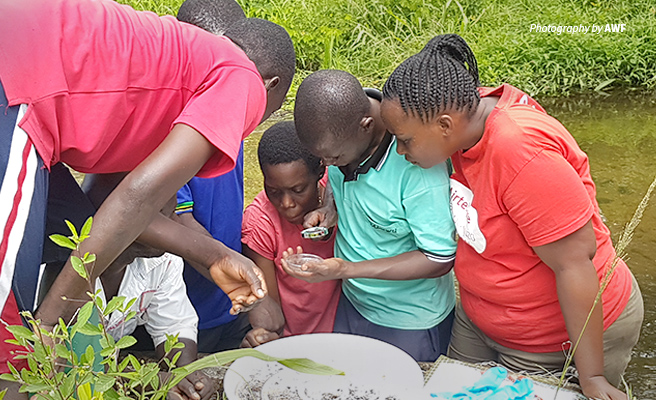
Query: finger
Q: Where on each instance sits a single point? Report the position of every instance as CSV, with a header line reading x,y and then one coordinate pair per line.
x,y
255,279
187,388
311,219
299,249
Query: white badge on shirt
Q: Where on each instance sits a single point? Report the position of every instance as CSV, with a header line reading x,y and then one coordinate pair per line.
x,y
465,217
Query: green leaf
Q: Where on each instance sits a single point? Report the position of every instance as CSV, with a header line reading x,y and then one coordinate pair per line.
x,y
130,315
86,228
84,392
174,360
78,266
68,384
8,377
104,383
90,329
130,303
21,332
111,394
298,364
85,313
63,241
308,366
35,388
125,342
106,352
89,258
2,394
62,351
71,227
114,304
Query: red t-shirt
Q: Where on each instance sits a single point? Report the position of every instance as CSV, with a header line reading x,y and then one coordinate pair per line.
x,y
308,307
105,84
526,183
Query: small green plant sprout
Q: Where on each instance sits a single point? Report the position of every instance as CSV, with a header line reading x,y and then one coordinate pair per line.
x,y
80,360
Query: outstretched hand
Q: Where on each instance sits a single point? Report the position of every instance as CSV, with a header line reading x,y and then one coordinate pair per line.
x,y
241,280
315,271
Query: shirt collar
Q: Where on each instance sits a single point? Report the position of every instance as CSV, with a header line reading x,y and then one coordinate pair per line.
x,y
376,160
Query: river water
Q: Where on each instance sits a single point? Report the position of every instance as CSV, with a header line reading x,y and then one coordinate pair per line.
x,y
618,132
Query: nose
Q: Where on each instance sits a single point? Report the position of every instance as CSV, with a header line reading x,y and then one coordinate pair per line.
x,y
287,201
400,148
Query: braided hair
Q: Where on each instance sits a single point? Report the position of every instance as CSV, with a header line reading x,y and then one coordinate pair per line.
x,y
443,75
280,145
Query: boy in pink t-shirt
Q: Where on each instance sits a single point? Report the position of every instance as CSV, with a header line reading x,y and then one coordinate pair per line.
x,y
107,89
293,186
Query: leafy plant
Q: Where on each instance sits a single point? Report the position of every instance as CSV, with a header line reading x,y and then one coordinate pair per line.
x,y
59,371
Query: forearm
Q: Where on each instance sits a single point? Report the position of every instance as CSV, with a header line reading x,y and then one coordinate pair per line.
x,y
577,289
201,250
406,266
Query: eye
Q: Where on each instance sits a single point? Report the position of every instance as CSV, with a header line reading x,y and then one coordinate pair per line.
x,y
298,189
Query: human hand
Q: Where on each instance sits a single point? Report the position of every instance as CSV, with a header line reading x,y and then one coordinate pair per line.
x,y
315,271
325,216
598,388
240,279
258,336
195,386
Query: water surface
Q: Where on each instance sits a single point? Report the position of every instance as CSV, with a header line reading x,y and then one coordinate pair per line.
x,y
619,134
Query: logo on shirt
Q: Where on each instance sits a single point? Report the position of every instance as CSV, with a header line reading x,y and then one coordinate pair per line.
x,y
465,217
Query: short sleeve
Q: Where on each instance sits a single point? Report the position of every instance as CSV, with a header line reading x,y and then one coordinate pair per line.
x,y
225,110
426,203
185,200
258,231
548,200
170,311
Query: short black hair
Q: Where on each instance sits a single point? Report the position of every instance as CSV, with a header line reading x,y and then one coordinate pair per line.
x,y
329,102
215,16
280,145
443,75
268,45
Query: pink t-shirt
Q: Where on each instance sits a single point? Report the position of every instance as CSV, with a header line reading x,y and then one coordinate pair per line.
x,y
105,84
308,307
526,183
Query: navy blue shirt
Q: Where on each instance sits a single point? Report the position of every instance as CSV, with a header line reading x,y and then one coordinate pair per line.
x,y
218,205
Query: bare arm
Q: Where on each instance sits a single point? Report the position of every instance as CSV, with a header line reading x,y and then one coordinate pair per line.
x,y
131,207
266,318
406,266
577,283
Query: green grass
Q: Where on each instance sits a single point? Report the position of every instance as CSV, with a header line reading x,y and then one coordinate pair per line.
x,y
370,38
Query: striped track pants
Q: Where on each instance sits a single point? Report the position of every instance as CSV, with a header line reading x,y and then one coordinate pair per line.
x,y
23,198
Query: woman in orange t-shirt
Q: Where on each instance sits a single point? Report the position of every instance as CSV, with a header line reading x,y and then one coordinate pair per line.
x,y
533,248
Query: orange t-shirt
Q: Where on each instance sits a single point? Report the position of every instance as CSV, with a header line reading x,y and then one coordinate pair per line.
x,y
526,183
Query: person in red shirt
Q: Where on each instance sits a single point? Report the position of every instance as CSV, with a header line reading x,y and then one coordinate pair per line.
x,y
107,89
294,184
533,249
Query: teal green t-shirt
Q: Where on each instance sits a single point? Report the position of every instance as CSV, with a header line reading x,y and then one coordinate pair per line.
x,y
393,208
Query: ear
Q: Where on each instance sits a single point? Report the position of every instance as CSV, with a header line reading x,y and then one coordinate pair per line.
x,y
271,83
367,123
445,124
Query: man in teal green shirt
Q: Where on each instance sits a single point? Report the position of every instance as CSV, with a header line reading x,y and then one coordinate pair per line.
x,y
395,244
